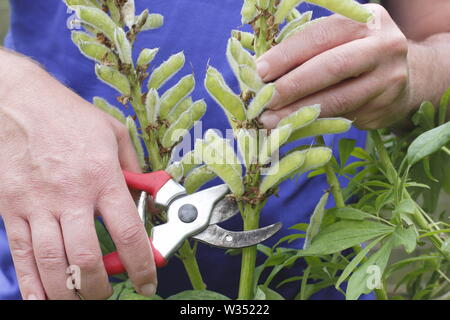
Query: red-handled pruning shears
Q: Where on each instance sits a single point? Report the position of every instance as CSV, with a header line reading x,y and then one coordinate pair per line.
x,y
195,215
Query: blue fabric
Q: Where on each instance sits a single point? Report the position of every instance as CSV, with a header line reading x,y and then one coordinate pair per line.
x,y
200,28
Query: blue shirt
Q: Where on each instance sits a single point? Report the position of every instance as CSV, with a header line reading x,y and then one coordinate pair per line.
x,y
200,28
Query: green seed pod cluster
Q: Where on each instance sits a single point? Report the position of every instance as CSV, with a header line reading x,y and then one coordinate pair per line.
x,y
238,57
128,13
322,127
293,25
223,95
245,38
260,101
197,178
273,142
294,14
154,21
152,105
348,8
146,57
284,8
166,70
113,78
88,3
114,12
250,78
177,93
132,130
98,52
302,117
281,170
98,19
248,11
248,146
123,46
179,109
103,105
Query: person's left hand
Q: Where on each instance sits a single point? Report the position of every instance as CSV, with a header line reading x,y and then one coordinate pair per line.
x,y
354,70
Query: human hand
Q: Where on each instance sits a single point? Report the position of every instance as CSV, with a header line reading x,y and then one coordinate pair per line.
x,y
61,161
352,69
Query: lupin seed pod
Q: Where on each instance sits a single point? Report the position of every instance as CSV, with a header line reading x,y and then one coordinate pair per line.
x,y
248,146
113,78
141,20
322,127
152,106
190,160
298,29
245,38
80,36
146,56
248,11
177,93
223,95
166,70
294,24
97,19
154,21
284,8
176,171
263,4
197,178
281,170
129,13
315,158
98,53
184,123
123,46
294,14
114,12
273,143
250,78
260,101
302,117
109,109
348,8
88,3
238,55
179,109
223,152
132,130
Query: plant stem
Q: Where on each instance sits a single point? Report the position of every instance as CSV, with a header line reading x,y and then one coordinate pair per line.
x,y
246,284
187,256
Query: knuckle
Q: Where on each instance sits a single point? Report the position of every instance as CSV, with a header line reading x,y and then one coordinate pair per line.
x,y
339,103
320,36
131,235
87,259
338,66
20,248
50,257
100,167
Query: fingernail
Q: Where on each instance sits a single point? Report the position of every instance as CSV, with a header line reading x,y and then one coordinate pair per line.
x,y
262,67
148,289
32,297
269,119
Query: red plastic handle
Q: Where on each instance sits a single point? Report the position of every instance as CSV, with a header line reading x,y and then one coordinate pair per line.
x,y
148,182
113,264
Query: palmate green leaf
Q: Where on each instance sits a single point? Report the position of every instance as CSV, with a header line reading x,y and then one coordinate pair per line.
x,y
366,274
198,295
349,213
346,147
428,143
405,236
270,294
425,116
316,220
345,234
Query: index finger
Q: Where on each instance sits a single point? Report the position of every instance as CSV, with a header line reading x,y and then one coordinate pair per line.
x,y
323,35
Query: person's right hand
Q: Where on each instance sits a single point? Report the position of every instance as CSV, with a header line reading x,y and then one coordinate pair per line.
x,y
61,161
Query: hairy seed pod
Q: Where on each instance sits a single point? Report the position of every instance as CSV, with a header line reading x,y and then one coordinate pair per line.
x,y
98,52
190,160
294,24
281,170
197,178
263,4
146,56
315,221
179,109
176,171
223,95
129,13
109,109
166,70
177,93
298,29
184,123
250,78
141,20
284,9
114,12
88,3
322,127
248,11
315,158
302,117
154,21
273,143
97,19
248,145
113,78
293,14
80,36
132,130
245,38
348,8
260,101
152,106
123,46
237,56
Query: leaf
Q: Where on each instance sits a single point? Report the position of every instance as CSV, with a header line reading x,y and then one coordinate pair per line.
x,y
106,242
364,280
316,220
443,106
345,234
259,294
407,237
427,169
361,154
198,295
346,147
446,246
270,294
428,143
349,213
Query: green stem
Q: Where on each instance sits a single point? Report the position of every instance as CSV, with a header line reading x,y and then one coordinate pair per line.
x,y
187,256
246,284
